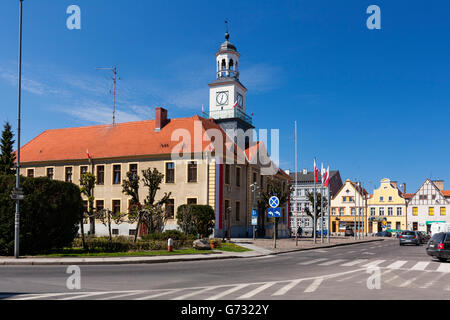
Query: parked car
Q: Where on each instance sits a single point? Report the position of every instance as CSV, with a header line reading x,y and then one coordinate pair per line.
x,y
411,237
439,246
383,234
349,232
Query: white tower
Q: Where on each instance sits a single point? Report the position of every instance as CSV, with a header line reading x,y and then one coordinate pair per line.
x,y
227,95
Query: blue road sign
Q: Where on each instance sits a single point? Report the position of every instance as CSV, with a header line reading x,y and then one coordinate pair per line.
x,y
274,212
274,202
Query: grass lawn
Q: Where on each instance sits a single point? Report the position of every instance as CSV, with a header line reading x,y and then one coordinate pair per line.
x,y
231,247
81,253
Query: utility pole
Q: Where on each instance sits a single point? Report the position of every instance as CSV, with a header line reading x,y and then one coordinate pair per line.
x,y
114,70
17,198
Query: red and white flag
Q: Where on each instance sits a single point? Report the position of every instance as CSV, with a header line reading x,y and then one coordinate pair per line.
x,y
315,171
235,105
322,173
327,177
88,154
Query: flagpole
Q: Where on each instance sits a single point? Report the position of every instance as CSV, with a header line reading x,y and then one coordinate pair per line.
x,y
321,205
295,189
315,213
329,210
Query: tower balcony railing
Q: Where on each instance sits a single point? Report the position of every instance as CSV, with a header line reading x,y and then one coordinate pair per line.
x,y
229,114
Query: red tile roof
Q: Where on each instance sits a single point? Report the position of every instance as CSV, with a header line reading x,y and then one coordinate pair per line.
x,y
408,195
121,140
446,193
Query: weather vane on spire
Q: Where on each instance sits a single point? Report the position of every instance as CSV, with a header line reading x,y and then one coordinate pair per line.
x,y
227,35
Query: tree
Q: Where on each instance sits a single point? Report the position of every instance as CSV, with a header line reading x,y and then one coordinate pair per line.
x,y
277,188
130,187
196,219
87,183
107,216
310,197
7,156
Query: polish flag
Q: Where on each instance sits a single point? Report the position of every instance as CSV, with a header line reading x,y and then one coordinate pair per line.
x,y
315,171
88,154
322,172
327,177
235,105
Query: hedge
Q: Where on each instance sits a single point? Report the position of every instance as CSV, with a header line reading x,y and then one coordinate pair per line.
x,y
49,215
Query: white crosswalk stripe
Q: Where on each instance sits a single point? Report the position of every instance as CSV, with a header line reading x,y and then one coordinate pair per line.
x,y
254,292
312,261
194,293
329,263
313,287
227,292
444,267
286,288
420,266
354,262
374,263
160,294
397,264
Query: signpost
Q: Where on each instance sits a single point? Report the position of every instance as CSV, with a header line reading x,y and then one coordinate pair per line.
x,y
254,221
274,212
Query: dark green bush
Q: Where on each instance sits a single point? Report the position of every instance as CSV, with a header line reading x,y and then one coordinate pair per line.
x,y
49,215
173,234
196,219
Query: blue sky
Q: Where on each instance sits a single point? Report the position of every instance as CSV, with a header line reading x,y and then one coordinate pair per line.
x,y
371,103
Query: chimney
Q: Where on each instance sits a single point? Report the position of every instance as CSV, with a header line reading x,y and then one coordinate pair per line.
x,y
439,184
160,118
404,187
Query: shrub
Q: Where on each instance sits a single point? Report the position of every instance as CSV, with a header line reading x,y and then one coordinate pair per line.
x,y
173,234
196,219
49,215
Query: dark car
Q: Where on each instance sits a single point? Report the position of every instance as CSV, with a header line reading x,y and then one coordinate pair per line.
x,y
349,232
411,237
383,234
439,246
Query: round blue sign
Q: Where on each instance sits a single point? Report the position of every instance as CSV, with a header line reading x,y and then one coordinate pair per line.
x,y
274,202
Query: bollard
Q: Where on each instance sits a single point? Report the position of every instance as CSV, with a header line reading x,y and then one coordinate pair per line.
x,y
170,244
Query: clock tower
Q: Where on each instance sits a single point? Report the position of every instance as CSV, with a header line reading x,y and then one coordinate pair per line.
x,y
227,95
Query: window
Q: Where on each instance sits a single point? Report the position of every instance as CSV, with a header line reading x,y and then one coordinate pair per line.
x,y
227,209
399,211
372,211
227,174
170,209
333,211
238,176
116,206
99,205
431,211
170,172
69,174
443,211
381,199
350,199
353,211
390,211
381,212
133,169
192,171
415,211
390,198
132,232
50,173
341,211
254,177
83,170
100,175
191,200
344,199
115,232
238,211
30,173
116,174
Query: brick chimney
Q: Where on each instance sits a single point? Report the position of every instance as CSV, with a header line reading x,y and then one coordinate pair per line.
x,y
439,184
160,118
404,187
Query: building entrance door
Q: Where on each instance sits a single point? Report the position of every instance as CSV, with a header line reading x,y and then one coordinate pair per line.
x,y
415,226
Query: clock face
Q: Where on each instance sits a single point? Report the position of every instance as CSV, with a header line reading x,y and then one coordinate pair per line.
x,y
222,97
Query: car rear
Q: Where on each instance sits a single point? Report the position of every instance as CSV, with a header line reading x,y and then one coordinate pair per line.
x,y
439,246
410,237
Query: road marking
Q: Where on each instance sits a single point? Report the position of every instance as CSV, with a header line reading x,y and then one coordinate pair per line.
x,y
80,296
354,262
256,291
39,296
429,284
188,295
329,263
286,288
223,294
373,263
158,294
312,261
444,267
407,282
313,287
122,295
397,264
371,253
420,266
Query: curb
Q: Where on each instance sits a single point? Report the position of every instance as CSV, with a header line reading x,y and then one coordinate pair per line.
x,y
85,261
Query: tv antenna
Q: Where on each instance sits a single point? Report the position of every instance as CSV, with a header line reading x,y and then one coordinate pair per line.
x,y
114,70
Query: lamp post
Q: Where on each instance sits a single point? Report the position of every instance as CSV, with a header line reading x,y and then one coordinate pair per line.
x,y
17,215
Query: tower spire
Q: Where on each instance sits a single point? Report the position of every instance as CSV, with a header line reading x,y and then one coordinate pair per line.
x,y
227,35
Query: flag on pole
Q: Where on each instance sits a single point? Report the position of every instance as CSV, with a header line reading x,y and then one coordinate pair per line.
x,y
88,154
315,171
235,105
322,173
327,177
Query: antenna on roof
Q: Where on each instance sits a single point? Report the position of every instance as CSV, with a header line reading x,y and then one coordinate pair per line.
x,y
114,70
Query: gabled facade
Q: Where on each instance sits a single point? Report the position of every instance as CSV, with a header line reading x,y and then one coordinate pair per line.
x,y
386,208
349,208
429,204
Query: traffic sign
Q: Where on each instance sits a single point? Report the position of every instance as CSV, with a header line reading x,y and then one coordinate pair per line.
x,y
254,217
274,202
17,194
274,212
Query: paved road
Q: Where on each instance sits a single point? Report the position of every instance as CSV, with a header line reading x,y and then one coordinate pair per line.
x,y
333,273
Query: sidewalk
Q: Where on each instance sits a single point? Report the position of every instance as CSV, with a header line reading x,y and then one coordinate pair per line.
x,y
260,247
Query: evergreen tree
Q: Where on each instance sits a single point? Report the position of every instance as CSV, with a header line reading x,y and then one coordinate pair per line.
x,y
7,157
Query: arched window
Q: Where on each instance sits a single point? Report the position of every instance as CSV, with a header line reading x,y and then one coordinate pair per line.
x,y
231,64
224,65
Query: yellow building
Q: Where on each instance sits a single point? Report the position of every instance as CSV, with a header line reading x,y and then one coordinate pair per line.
x,y
387,208
347,206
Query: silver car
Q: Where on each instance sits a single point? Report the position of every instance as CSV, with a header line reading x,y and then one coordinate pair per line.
x,y
410,237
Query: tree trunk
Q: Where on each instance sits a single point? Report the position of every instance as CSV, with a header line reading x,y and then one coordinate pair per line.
x,y
83,240
109,227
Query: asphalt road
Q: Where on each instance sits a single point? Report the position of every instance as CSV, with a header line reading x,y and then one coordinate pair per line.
x,y
380,270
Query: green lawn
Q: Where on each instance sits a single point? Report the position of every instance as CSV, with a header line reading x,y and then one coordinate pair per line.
x,y
81,253
226,246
